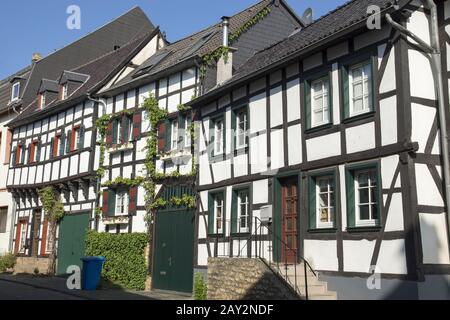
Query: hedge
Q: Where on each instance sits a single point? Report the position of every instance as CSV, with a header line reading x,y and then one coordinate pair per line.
x,y
7,261
125,263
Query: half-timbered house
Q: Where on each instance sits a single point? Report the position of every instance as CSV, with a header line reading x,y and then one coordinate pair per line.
x,y
327,146
174,75
54,137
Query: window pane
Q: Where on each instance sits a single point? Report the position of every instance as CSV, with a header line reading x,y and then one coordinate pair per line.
x,y
363,195
373,194
357,74
374,211
364,212
363,179
357,90
324,215
323,200
318,116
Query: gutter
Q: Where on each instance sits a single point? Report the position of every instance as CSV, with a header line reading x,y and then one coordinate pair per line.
x,y
433,53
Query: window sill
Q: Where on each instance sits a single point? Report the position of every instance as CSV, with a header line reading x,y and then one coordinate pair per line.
x,y
360,116
120,147
322,230
119,219
319,128
363,229
176,154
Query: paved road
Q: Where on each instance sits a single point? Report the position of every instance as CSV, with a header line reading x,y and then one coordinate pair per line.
x,y
17,291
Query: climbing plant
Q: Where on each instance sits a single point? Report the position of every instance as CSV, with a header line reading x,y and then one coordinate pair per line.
x,y
54,210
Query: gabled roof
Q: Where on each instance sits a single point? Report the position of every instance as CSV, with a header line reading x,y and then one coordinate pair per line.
x,y
131,25
100,71
48,85
195,45
339,20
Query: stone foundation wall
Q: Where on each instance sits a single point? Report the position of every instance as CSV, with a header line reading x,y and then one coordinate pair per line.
x,y
245,279
31,265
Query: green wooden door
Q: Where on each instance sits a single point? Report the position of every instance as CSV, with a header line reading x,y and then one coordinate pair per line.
x,y
174,249
72,232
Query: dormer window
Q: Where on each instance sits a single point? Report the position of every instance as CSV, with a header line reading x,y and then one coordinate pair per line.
x,y
41,101
15,91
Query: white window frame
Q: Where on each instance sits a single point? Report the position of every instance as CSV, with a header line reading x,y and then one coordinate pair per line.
x,y
219,204
23,236
369,78
187,132
218,136
366,222
331,209
240,216
239,131
42,103
47,239
174,135
325,108
122,202
15,85
64,91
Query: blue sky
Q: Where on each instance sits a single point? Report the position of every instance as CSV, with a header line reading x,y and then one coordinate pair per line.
x,y
40,26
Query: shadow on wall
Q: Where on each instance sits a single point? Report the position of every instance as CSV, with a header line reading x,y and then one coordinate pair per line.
x,y
356,288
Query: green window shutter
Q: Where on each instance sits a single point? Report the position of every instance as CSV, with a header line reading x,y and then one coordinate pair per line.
x,y
28,153
69,140
62,141
308,104
14,150
38,151
168,135
312,202
115,125
181,129
125,129
210,213
234,212
211,137
22,159
350,191
379,193
330,97
234,115
52,146
111,202
345,92
81,139
373,84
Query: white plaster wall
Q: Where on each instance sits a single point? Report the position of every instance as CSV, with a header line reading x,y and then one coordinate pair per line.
x,y
276,107
421,77
257,107
388,167
358,255
293,100
394,220
360,138
388,120
312,61
434,237
422,122
321,254
258,153
392,257
337,51
323,147
294,144
276,149
388,82
260,191
427,191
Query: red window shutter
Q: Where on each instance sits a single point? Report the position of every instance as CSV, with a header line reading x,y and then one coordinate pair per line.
x,y
55,146
32,152
161,136
105,203
133,200
44,237
18,154
8,146
137,118
109,137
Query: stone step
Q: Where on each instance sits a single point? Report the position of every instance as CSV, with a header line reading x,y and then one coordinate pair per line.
x,y
313,289
330,295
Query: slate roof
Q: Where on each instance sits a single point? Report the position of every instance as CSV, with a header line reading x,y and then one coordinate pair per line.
x,y
181,50
131,25
349,14
6,87
99,71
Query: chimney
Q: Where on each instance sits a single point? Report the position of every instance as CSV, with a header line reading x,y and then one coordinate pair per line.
x,y
225,64
36,57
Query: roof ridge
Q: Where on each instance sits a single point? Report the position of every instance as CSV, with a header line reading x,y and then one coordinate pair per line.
x,y
96,30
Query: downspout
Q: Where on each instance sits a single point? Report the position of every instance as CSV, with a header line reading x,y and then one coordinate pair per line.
x,y
433,52
11,227
97,187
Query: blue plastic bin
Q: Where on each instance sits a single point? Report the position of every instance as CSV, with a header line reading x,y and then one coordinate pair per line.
x,y
92,270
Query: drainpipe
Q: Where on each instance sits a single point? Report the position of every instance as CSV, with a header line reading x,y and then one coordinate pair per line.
x,y
433,52
11,227
97,187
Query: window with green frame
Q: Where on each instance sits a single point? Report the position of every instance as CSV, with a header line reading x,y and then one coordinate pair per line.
x,y
240,211
217,135
318,101
216,212
322,200
358,88
363,188
240,127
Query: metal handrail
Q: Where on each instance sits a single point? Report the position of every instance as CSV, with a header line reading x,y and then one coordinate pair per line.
x,y
260,254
